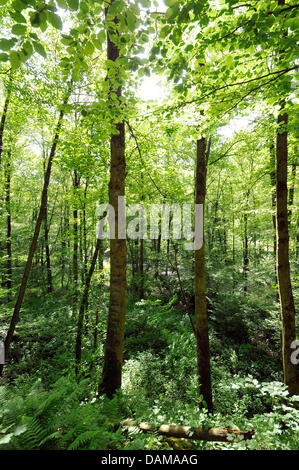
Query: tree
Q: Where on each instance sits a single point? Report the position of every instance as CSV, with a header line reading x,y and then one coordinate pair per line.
x,y
201,316
287,306
112,369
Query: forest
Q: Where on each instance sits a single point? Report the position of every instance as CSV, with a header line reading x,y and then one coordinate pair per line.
x,y
149,229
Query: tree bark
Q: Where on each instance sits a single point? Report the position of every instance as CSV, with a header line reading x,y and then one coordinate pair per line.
x,y
8,280
4,116
187,432
201,316
273,203
101,282
245,248
287,307
113,359
141,268
22,290
48,260
76,182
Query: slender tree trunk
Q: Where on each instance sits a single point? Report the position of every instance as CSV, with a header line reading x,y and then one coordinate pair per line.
x,y
234,241
136,267
101,281
8,226
46,239
41,214
245,249
84,231
287,307
2,127
4,116
141,268
201,316
273,203
83,307
63,245
48,260
112,369
76,182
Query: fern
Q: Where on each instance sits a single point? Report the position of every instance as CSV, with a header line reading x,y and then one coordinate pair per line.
x,y
83,439
62,418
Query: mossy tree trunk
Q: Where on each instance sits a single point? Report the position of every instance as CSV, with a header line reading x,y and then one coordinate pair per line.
x,y
201,316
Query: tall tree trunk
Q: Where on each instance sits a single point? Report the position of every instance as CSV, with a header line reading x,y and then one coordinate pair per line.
x,y
201,316
8,280
84,231
112,369
83,307
141,269
63,245
273,203
245,248
41,214
101,282
48,260
76,182
46,237
287,307
4,116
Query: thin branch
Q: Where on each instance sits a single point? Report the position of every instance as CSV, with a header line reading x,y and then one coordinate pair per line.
x,y
141,158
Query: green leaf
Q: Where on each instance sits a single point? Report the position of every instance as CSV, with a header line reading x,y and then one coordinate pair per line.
x,y
62,4
6,44
3,57
33,36
18,5
97,44
131,20
88,48
28,48
14,59
17,16
189,48
66,39
75,75
145,3
73,4
229,61
19,29
84,7
39,48
55,20
169,13
101,36
35,19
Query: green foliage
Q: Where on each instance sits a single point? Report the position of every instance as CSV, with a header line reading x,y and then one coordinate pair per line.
x,y
65,417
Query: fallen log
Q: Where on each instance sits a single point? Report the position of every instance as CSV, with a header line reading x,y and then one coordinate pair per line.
x,y
187,432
